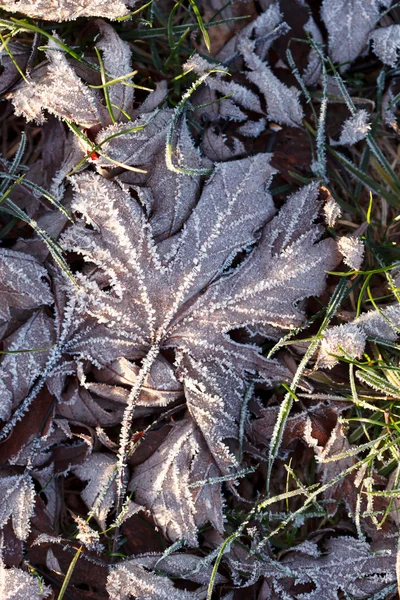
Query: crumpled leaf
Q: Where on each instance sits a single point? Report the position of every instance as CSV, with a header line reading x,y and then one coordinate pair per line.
x,y
352,250
354,129
64,10
349,24
22,283
386,44
16,584
99,494
17,500
283,104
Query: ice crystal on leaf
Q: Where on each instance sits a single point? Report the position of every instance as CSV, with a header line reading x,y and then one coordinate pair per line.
x,y
57,88
352,337
64,10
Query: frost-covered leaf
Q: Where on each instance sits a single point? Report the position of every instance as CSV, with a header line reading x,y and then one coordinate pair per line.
x,y
332,211
135,578
172,195
352,337
56,87
265,29
352,250
22,283
16,584
63,10
162,483
230,265
29,349
283,104
10,74
354,129
17,500
386,44
117,63
349,24
240,94
99,493
346,565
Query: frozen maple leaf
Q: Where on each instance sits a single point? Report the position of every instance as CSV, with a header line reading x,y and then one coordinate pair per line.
x,y
23,283
16,584
354,129
386,44
63,10
99,494
17,499
283,104
349,24
136,577
226,268
352,250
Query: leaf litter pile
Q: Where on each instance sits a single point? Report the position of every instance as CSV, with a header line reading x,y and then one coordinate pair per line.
x,y
199,300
